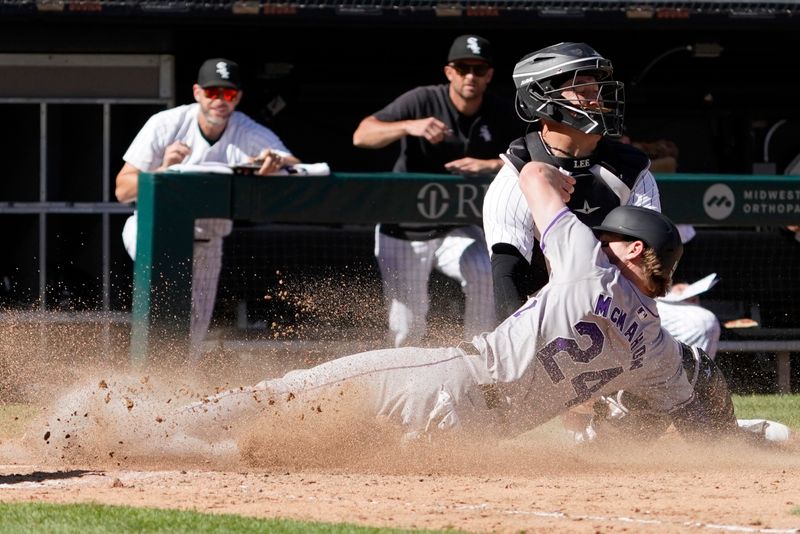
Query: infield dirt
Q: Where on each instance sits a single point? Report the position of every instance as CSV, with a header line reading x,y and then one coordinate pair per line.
x,y
329,465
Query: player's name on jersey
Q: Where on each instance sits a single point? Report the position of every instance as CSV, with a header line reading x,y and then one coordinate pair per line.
x,y
630,329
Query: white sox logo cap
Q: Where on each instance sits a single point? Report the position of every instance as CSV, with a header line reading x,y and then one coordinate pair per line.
x,y
218,72
470,47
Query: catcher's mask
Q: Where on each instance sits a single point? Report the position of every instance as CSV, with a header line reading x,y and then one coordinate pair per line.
x,y
544,76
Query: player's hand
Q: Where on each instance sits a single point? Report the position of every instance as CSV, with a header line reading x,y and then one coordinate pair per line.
x,y
471,166
271,162
679,288
561,182
175,153
432,129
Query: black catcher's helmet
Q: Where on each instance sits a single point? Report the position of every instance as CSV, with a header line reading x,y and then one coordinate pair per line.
x,y
652,227
541,77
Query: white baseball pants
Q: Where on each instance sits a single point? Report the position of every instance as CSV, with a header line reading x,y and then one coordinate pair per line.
x,y
692,324
406,267
206,266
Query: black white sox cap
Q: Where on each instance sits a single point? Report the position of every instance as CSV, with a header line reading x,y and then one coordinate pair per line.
x,y
219,72
470,47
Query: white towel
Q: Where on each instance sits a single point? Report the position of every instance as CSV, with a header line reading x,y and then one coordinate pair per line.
x,y
207,167
308,169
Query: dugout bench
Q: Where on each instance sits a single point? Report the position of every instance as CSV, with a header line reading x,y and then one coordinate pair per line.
x,y
169,202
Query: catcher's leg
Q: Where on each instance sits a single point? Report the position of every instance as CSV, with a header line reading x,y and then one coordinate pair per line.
x,y
710,412
691,324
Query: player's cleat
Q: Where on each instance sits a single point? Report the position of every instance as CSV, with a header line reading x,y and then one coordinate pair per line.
x,y
770,430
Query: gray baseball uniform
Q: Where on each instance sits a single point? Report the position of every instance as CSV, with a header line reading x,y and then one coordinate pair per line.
x,y
587,333
243,138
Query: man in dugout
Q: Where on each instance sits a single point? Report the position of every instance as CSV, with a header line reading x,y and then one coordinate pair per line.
x,y
208,131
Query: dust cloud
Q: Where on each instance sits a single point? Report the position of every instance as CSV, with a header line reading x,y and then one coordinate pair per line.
x,y
94,412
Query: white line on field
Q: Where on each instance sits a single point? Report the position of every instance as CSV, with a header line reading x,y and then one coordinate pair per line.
x,y
623,519
143,475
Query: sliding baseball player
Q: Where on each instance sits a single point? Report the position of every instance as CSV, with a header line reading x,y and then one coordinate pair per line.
x,y
591,332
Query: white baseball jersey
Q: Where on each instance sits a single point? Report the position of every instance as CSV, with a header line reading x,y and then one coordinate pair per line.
x,y
243,138
507,218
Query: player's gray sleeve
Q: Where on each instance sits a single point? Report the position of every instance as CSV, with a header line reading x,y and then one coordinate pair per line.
x,y
570,247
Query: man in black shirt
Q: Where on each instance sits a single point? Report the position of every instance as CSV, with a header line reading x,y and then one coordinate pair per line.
x,y
458,128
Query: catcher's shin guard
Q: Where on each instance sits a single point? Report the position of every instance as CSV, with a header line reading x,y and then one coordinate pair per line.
x,y
710,412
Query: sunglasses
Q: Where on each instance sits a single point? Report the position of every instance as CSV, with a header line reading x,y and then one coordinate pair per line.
x,y
215,93
479,69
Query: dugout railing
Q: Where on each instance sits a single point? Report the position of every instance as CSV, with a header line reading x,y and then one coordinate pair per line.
x,y
169,202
